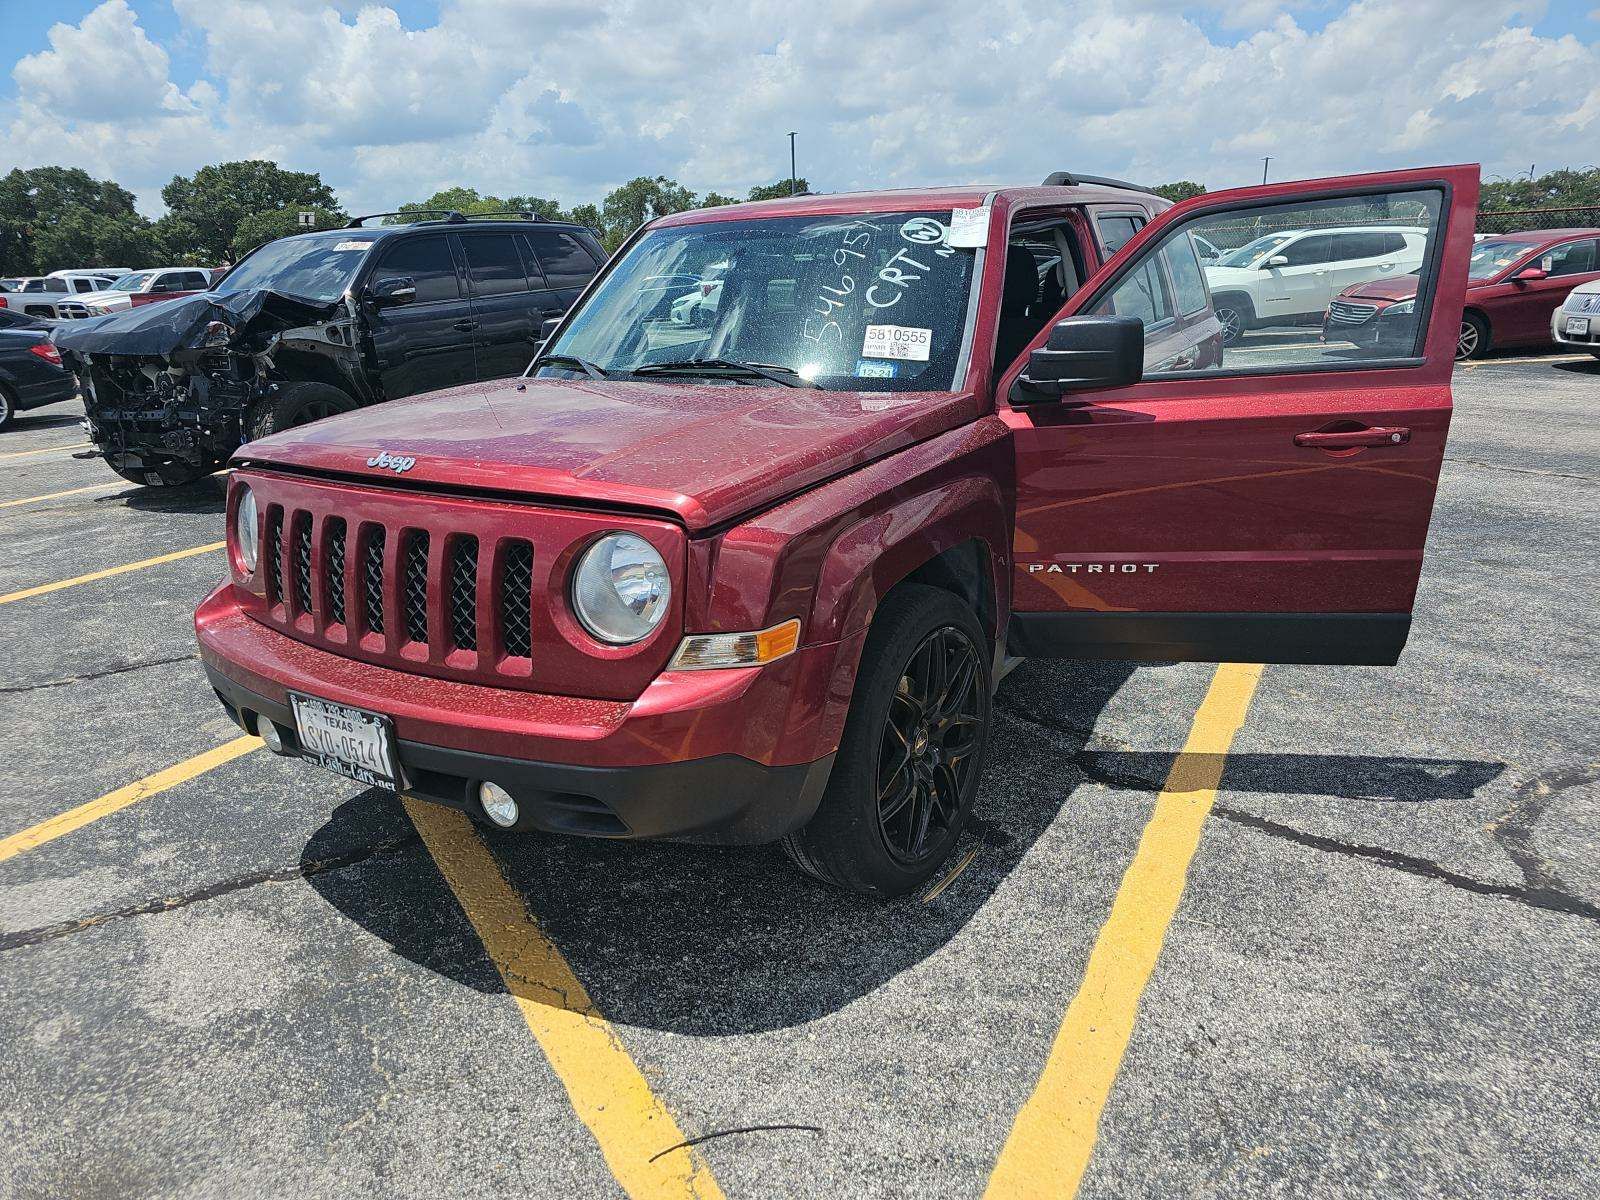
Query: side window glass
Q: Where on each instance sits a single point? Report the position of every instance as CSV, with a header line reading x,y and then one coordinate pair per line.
x,y
493,264
566,264
1308,250
1142,293
1372,310
1188,280
426,260
195,280
1117,232
1575,258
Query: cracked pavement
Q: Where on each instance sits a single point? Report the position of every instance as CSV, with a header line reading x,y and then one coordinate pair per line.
x,y
1379,981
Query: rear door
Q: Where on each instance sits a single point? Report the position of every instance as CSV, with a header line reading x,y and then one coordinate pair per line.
x,y
427,344
506,303
1267,502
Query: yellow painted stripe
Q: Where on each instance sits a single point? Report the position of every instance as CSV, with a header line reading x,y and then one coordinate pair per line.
x,y
150,785
44,588
1054,1134
46,450
604,1086
93,487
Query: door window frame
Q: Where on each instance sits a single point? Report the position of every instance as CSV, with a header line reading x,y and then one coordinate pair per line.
x,y
377,261
1114,271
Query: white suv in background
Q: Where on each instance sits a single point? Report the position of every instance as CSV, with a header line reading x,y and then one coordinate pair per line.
x,y
1288,278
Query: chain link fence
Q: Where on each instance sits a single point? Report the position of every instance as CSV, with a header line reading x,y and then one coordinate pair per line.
x,y
1512,220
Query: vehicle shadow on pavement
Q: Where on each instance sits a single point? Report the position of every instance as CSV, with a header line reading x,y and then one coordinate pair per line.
x,y
709,940
1580,367
718,940
208,495
25,421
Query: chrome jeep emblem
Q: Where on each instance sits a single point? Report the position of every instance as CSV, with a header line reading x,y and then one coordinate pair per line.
x,y
398,463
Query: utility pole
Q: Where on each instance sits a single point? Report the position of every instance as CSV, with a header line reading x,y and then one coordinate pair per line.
x,y
792,185
1265,160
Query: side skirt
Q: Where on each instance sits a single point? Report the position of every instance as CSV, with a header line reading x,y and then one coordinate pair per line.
x,y
1338,639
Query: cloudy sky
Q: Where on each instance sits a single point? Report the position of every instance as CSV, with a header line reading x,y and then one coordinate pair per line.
x,y
567,98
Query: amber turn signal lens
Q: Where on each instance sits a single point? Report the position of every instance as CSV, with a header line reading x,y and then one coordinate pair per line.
x,y
708,651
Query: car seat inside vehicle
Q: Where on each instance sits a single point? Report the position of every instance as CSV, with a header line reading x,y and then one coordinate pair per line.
x,y
1042,271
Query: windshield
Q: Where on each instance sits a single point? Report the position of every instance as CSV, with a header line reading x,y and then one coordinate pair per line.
x,y
1494,255
1250,253
314,267
852,302
131,283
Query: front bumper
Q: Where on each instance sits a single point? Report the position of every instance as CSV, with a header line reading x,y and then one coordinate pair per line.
x,y
1587,341
737,756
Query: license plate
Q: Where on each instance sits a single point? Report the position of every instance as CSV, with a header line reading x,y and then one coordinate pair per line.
x,y
347,741
1578,325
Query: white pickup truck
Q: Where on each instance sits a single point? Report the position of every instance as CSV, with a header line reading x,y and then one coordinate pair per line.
x,y
39,295
1288,277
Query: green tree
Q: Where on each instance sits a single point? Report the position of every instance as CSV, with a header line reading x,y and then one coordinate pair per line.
x,y
587,215
637,201
778,190
55,217
715,200
204,210
468,202
1183,189
261,227
1557,189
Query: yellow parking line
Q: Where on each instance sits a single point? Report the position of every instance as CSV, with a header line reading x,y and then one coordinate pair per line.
x,y
46,450
641,1142
150,785
93,487
43,588
1054,1133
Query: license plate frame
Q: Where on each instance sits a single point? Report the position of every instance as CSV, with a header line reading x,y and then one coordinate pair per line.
x,y
1577,326
349,741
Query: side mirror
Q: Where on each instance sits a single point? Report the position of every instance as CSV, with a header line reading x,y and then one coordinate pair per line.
x,y
401,289
1278,260
1085,354
1530,275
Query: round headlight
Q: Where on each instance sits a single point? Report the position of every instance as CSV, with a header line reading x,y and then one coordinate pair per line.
x,y
244,528
620,589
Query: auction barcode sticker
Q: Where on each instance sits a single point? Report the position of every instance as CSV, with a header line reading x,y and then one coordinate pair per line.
x,y
897,341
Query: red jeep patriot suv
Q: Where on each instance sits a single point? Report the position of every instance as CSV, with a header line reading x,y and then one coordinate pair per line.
x,y
754,577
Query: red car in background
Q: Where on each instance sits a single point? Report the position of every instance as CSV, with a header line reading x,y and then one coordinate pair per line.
x,y
1514,282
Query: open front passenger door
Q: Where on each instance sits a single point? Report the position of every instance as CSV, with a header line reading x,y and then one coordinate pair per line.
x,y
1262,501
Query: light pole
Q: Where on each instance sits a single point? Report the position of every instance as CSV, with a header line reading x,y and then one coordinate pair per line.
x,y
792,185
1265,160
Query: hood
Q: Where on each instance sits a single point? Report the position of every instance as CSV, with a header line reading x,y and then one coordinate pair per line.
x,y
180,323
705,453
1219,275
1398,287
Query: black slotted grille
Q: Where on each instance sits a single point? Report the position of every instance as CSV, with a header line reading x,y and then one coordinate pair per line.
x,y
464,592
414,585
372,580
273,553
333,571
516,591
300,537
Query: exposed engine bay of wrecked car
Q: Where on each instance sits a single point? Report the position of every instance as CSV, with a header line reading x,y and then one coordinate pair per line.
x,y
170,390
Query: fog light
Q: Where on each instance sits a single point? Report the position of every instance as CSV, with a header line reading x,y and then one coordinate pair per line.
x,y
498,804
269,734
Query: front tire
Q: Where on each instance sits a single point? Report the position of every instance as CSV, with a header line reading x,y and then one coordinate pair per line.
x,y
1473,340
912,753
299,404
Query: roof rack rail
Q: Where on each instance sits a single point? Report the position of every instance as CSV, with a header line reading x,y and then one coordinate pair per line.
x,y
1072,179
357,221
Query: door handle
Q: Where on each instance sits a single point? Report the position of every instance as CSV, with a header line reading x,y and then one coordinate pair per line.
x,y
1347,439
465,326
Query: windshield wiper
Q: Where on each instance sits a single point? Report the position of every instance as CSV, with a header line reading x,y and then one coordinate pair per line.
x,y
775,372
571,360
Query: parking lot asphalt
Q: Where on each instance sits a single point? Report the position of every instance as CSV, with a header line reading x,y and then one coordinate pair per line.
x,y
252,978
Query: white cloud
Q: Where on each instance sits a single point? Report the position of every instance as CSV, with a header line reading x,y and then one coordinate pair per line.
x,y
562,98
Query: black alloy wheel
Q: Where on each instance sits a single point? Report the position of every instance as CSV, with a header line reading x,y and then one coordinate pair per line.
x,y
926,753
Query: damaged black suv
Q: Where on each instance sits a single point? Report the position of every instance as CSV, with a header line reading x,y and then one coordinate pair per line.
x,y
321,323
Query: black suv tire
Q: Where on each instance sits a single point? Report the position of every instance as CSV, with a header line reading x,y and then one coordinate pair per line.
x,y
299,404
906,725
